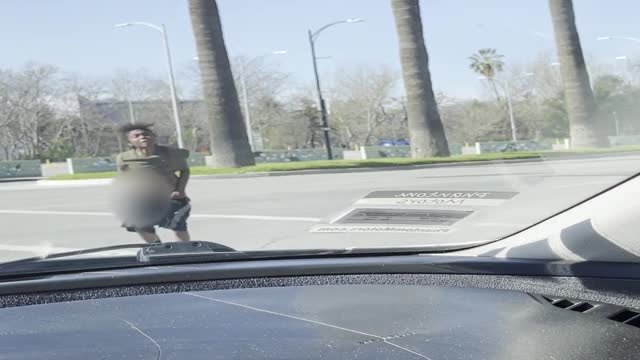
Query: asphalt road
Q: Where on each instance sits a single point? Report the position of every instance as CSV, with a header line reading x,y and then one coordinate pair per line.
x,y
278,212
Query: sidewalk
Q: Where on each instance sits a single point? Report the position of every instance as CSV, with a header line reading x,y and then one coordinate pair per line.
x,y
7,180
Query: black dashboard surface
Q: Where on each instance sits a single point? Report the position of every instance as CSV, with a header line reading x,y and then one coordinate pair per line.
x,y
314,322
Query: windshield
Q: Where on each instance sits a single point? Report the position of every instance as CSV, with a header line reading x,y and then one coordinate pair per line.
x,y
282,125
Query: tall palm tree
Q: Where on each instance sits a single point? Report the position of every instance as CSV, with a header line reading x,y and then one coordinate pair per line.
x,y
229,142
488,63
425,126
585,128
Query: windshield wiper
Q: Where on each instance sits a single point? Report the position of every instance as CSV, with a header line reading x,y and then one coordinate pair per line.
x,y
146,253
73,253
177,253
173,253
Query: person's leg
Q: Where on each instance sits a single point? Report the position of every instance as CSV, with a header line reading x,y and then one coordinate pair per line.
x,y
182,235
177,222
148,234
149,237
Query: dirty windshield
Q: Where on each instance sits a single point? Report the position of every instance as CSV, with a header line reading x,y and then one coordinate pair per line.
x,y
265,125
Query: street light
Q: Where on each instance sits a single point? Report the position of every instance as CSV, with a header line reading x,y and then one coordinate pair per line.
x,y
172,84
506,86
313,37
629,38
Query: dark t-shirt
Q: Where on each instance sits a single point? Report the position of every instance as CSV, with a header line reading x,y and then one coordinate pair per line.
x,y
165,162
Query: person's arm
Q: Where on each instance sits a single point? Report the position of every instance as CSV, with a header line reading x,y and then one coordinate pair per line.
x,y
183,179
119,163
182,167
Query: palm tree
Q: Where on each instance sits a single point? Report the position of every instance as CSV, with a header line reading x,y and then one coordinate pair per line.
x,y
585,129
229,142
488,63
425,126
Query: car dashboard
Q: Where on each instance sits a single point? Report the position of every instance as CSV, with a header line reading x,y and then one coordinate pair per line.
x,y
387,307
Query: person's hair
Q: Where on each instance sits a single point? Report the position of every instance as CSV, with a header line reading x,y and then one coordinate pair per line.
x,y
126,128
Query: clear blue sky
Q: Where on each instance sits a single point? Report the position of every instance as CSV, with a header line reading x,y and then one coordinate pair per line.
x,y
77,35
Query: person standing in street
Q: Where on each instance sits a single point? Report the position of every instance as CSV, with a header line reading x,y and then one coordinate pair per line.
x,y
152,183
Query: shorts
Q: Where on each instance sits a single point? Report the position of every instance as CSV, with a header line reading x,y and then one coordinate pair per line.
x,y
176,218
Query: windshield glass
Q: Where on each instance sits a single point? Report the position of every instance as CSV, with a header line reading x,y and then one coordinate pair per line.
x,y
265,125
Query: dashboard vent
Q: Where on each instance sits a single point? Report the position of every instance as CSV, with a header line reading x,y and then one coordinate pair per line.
x,y
628,317
578,306
612,312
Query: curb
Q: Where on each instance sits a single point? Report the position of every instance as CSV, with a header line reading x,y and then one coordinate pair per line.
x,y
12,180
361,170
71,183
541,159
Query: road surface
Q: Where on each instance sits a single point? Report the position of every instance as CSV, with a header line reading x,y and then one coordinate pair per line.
x,y
278,212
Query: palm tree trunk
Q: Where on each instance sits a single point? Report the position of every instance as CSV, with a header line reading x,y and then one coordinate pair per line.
x,y
585,127
425,126
229,142
495,90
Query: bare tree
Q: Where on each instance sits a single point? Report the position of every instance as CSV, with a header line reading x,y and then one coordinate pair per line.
x,y
229,142
363,104
25,111
425,126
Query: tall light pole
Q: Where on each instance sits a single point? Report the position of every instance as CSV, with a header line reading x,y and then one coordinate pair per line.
x,y
132,116
172,83
313,37
507,91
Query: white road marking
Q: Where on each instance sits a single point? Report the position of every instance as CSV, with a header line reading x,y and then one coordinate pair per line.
x,y
38,249
196,216
50,212
257,217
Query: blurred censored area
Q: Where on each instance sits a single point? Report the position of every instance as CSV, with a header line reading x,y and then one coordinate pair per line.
x,y
141,199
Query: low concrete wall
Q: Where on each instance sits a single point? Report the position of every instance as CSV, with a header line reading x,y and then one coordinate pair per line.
x,y
564,145
20,169
52,169
374,152
469,150
196,159
624,140
511,146
352,155
274,156
102,164
91,165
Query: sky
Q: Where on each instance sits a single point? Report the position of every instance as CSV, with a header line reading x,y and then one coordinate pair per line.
x,y
78,35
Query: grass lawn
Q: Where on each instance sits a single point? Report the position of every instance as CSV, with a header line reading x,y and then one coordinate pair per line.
x,y
342,164
321,164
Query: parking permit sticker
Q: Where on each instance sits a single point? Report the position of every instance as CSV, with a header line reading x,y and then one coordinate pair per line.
x,y
425,198
380,229
402,217
395,220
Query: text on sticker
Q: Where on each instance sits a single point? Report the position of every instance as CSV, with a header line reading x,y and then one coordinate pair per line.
x,y
439,194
